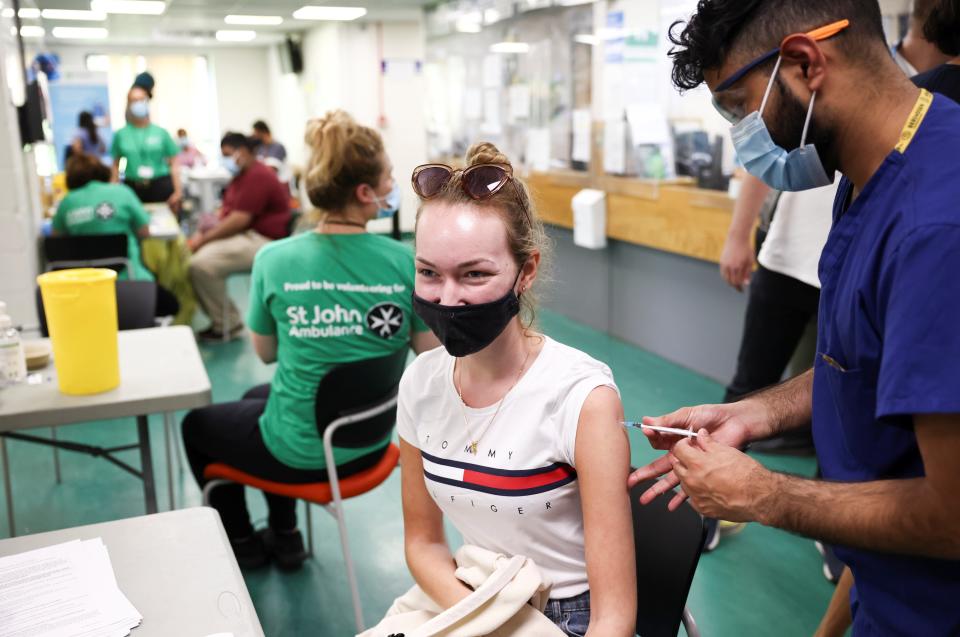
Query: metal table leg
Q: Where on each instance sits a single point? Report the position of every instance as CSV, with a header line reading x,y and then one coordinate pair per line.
x,y
167,433
8,489
146,464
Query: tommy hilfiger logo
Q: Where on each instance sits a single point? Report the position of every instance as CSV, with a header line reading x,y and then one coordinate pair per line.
x,y
505,482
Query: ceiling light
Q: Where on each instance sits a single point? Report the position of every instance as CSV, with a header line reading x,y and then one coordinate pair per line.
x,y
80,33
28,13
31,31
132,7
311,12
585,38
258,20
509,47
236,35
72,14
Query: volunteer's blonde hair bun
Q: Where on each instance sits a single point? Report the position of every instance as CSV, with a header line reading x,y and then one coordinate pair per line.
x,y
486,153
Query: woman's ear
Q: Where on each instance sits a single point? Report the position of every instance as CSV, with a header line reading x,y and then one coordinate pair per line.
x,y
364,194
528,273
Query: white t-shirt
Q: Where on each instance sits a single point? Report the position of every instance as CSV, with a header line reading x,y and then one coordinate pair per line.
x,y
798,233
519,494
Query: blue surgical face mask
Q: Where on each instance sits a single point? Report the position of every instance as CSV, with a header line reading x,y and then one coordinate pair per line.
x,y
390,204
793,171
140,109
231,165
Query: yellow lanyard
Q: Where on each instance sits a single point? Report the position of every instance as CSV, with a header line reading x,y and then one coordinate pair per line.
x,y
920,110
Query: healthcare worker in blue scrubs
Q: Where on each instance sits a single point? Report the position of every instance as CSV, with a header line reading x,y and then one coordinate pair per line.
x,y
811,89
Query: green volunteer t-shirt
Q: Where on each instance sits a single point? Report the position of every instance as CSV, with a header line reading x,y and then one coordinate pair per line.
x,y
99,208
147,150
329,299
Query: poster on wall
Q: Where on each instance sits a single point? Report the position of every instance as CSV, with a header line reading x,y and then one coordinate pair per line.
x,y
72,94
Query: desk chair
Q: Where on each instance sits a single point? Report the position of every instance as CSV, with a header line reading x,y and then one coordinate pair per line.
x,y
87,251
136,307
668,546
356,404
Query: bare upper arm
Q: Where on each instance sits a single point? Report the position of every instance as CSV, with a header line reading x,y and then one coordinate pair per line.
x,y
603,463
422,519
421,342
265,345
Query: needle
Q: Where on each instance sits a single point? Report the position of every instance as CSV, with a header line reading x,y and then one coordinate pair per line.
x,y
663,430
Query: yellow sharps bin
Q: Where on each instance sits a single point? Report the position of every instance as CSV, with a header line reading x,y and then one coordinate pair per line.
x,y
81,309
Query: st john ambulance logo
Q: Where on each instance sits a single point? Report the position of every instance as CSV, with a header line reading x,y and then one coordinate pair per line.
x,y
385,320
104,211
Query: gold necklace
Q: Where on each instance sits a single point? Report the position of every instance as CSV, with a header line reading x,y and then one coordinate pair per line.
x,y
475,440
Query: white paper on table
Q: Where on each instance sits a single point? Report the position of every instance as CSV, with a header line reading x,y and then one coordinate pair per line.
x,y
492,124
615,147
519,100
69,589
648,124
472,103
538,149
582,124
493,71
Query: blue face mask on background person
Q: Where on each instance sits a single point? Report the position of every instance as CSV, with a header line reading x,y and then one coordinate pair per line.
x,y
793,171
140,109
390,204
231,165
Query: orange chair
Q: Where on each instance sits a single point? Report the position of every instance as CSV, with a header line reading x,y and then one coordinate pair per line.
x,y
356,405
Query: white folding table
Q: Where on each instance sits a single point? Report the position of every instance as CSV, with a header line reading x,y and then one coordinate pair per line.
x,y
160,372
176,568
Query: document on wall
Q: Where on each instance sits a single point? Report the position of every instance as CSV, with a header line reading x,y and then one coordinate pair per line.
x,y
519,97
581,135
67,590
538,149
615,146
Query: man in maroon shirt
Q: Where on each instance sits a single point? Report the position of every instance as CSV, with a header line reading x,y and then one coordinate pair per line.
x,y
255,211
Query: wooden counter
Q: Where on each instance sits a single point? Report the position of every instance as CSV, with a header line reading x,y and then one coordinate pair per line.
x,y
673,216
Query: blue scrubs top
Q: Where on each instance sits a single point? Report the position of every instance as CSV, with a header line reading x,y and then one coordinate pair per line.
x,y
889,348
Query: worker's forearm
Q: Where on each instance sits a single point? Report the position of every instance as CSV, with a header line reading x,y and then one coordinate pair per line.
x,y
788,405
230,226
907,517
747,208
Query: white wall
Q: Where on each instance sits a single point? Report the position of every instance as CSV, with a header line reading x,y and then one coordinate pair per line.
x,y
342,70
242,86
19,208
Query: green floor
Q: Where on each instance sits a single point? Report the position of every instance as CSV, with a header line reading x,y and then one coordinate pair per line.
x,y
761,581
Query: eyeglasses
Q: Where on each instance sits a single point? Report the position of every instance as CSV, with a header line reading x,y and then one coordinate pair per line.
x,y
480,182
823,33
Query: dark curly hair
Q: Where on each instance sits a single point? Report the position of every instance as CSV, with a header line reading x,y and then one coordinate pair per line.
x,y
747,28
942,26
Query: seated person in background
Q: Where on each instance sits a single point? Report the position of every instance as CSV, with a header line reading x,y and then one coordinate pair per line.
x,y
87,139
272,432
266,145
255,211
96,206
189,155
502,407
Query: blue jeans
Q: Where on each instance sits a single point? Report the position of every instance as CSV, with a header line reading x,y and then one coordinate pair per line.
x,y
571,615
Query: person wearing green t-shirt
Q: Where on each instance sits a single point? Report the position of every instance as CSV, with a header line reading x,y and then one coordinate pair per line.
x,y
334,295
93,206
149,151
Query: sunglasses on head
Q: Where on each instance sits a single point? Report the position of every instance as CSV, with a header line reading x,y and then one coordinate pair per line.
x,y
480,182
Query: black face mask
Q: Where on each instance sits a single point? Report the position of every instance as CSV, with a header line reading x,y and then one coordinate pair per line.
x,y
467,329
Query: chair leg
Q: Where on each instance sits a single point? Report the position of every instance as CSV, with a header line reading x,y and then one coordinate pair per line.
x,y
309,511
56,457
348,560
689,624
7,487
